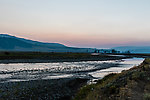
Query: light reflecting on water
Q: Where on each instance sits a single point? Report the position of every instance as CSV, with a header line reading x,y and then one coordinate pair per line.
x,y
125,64
85,69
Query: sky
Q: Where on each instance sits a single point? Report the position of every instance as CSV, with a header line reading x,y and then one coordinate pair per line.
x,y
79,23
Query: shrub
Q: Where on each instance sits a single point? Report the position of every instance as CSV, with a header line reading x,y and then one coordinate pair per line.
x,y
147,96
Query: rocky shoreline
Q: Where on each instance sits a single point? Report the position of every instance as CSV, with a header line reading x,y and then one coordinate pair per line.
x,y
43,89
54,89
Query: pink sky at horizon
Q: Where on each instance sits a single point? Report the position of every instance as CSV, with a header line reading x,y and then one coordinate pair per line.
x,y
82,41
79,23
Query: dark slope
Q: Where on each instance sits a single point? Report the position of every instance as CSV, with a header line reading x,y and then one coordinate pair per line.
x,y
11,43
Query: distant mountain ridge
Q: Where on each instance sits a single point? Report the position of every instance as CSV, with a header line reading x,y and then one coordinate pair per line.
x,y
31,41
13,43
134,49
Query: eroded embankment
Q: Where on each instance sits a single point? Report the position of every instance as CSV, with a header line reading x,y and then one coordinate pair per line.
x,y
132,84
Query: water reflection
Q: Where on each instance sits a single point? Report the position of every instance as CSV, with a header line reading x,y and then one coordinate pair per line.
x,y
125,64
34,71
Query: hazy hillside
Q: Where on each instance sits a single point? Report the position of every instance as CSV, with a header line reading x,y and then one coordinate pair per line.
x,y
134,49
12,43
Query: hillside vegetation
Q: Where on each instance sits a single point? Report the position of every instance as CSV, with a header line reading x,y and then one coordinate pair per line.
x,y
132,84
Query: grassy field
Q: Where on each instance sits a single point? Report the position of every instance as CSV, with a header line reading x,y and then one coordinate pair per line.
x,y
56,57
47,57
132,84
51,55
41,55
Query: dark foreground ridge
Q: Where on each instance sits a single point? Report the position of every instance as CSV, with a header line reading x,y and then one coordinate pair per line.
x,y
132,84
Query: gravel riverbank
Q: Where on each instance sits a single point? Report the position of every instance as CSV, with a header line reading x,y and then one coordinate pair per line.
x,y
54,89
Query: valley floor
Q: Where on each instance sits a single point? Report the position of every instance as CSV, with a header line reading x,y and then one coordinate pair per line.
x,y
132,84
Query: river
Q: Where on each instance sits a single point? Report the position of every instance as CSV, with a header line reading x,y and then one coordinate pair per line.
x,y
84,69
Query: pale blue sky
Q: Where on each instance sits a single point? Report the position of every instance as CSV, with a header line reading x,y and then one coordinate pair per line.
x,y
83,23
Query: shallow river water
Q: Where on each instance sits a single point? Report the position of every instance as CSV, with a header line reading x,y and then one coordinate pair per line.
x,y
84,69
